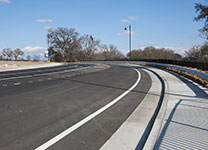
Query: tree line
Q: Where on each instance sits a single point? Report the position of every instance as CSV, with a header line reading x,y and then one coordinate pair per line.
x,y
65,45
9,54
151,52
17,54
68,46
195,54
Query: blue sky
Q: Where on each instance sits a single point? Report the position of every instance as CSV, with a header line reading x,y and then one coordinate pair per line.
x,y
160,23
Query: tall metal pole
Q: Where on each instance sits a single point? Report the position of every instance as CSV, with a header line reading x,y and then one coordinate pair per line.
x,y
130,42
126,28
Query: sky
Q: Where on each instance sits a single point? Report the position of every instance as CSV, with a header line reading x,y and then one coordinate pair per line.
x,y
159,23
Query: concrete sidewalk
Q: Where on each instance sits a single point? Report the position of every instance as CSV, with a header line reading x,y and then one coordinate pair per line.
x,y
185,122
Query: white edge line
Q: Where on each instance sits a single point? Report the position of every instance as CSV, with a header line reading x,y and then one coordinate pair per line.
x,y
85,120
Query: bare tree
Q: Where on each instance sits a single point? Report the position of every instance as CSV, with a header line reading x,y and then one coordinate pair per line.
x,y
8,53
17,53
89,46
136,54
155,53
105,52
197,54
115,54
66,45
203,15
63,44
111,52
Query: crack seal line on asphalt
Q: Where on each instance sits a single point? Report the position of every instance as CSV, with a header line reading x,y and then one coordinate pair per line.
x,y
85,120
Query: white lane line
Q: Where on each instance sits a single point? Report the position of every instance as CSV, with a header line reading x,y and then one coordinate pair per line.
x,y
44,74
85,120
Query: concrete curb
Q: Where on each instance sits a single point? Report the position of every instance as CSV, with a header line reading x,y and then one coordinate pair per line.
x,y
132,130
157,126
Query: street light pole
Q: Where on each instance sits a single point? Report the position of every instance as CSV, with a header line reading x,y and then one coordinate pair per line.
x,y
130,42
129,29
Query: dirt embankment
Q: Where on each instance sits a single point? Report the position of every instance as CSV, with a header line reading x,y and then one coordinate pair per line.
x,y
10,65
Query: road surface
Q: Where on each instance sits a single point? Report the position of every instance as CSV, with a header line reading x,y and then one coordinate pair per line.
x,y
39,104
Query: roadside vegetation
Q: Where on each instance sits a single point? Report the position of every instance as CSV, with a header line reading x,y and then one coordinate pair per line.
x,y
9,54
68,46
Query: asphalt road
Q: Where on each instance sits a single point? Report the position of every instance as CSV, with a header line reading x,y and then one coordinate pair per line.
x,y
39,106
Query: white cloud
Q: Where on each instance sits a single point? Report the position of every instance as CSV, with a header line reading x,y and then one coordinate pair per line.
x,y
5,1
126,33
179,50
35,51
47,28
124,51
35,48
124,20
44,20
132,18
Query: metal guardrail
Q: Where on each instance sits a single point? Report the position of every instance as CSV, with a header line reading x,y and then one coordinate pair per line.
x,y
192,71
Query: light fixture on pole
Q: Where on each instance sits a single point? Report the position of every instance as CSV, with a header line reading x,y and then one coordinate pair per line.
x,y
129,29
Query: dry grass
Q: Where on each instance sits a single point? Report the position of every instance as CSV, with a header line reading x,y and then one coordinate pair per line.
x,y
8,65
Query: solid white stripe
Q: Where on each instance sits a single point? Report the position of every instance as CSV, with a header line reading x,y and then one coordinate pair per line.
x,y
85,120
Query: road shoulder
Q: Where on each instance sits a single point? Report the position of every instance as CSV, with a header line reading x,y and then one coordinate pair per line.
x,y
131,131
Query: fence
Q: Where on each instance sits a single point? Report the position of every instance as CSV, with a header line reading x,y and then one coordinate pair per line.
x,y
198,65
